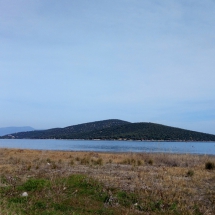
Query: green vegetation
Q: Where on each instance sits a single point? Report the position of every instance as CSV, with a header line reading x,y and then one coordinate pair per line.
x,y
190,173
132,161
117,130
76,194
60,182
69,131
146,131
71,195
209,165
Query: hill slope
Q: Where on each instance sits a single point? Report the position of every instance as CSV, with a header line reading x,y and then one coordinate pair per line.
x,y
145,131
69,131
116,129
10,130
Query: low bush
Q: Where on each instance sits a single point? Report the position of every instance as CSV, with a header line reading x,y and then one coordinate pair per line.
x,y
85,161
150,162
34,184
97,162
209,165
190,173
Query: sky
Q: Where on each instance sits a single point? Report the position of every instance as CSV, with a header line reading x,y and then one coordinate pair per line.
x,y
69,62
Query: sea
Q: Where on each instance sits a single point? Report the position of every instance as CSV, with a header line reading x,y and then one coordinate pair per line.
x,y
203,148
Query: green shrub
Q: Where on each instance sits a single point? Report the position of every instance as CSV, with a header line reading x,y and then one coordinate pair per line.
x,y
85,161
54,166
34,184
40,205
77,159
190,173
3,179
61,207
150,162
209,165
72,162
97,162
139,162
126,199
18,200
128,161
110,161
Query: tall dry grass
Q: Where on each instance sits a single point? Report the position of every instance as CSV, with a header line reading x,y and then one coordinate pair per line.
x,y
165,182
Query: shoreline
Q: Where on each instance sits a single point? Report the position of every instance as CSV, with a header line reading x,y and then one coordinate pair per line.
x,y
107,152
138,140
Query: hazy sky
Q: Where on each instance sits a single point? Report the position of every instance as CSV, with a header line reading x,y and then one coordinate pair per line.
x,y
69,62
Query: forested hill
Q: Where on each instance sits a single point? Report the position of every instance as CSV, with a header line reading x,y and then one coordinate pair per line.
x,y
69,131
146,131
115,130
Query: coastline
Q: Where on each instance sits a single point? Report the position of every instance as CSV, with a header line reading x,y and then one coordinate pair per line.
x,y
139,140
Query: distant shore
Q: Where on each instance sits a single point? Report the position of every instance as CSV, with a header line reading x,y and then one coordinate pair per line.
x,y
115,129
140,140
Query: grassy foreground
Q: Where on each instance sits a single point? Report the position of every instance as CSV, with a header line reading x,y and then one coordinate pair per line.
x,y
105,183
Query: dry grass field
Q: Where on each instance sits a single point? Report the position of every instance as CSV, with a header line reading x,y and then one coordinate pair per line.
x,y
61,182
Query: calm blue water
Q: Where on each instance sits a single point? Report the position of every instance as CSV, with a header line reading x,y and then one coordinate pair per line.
x,y
112,146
